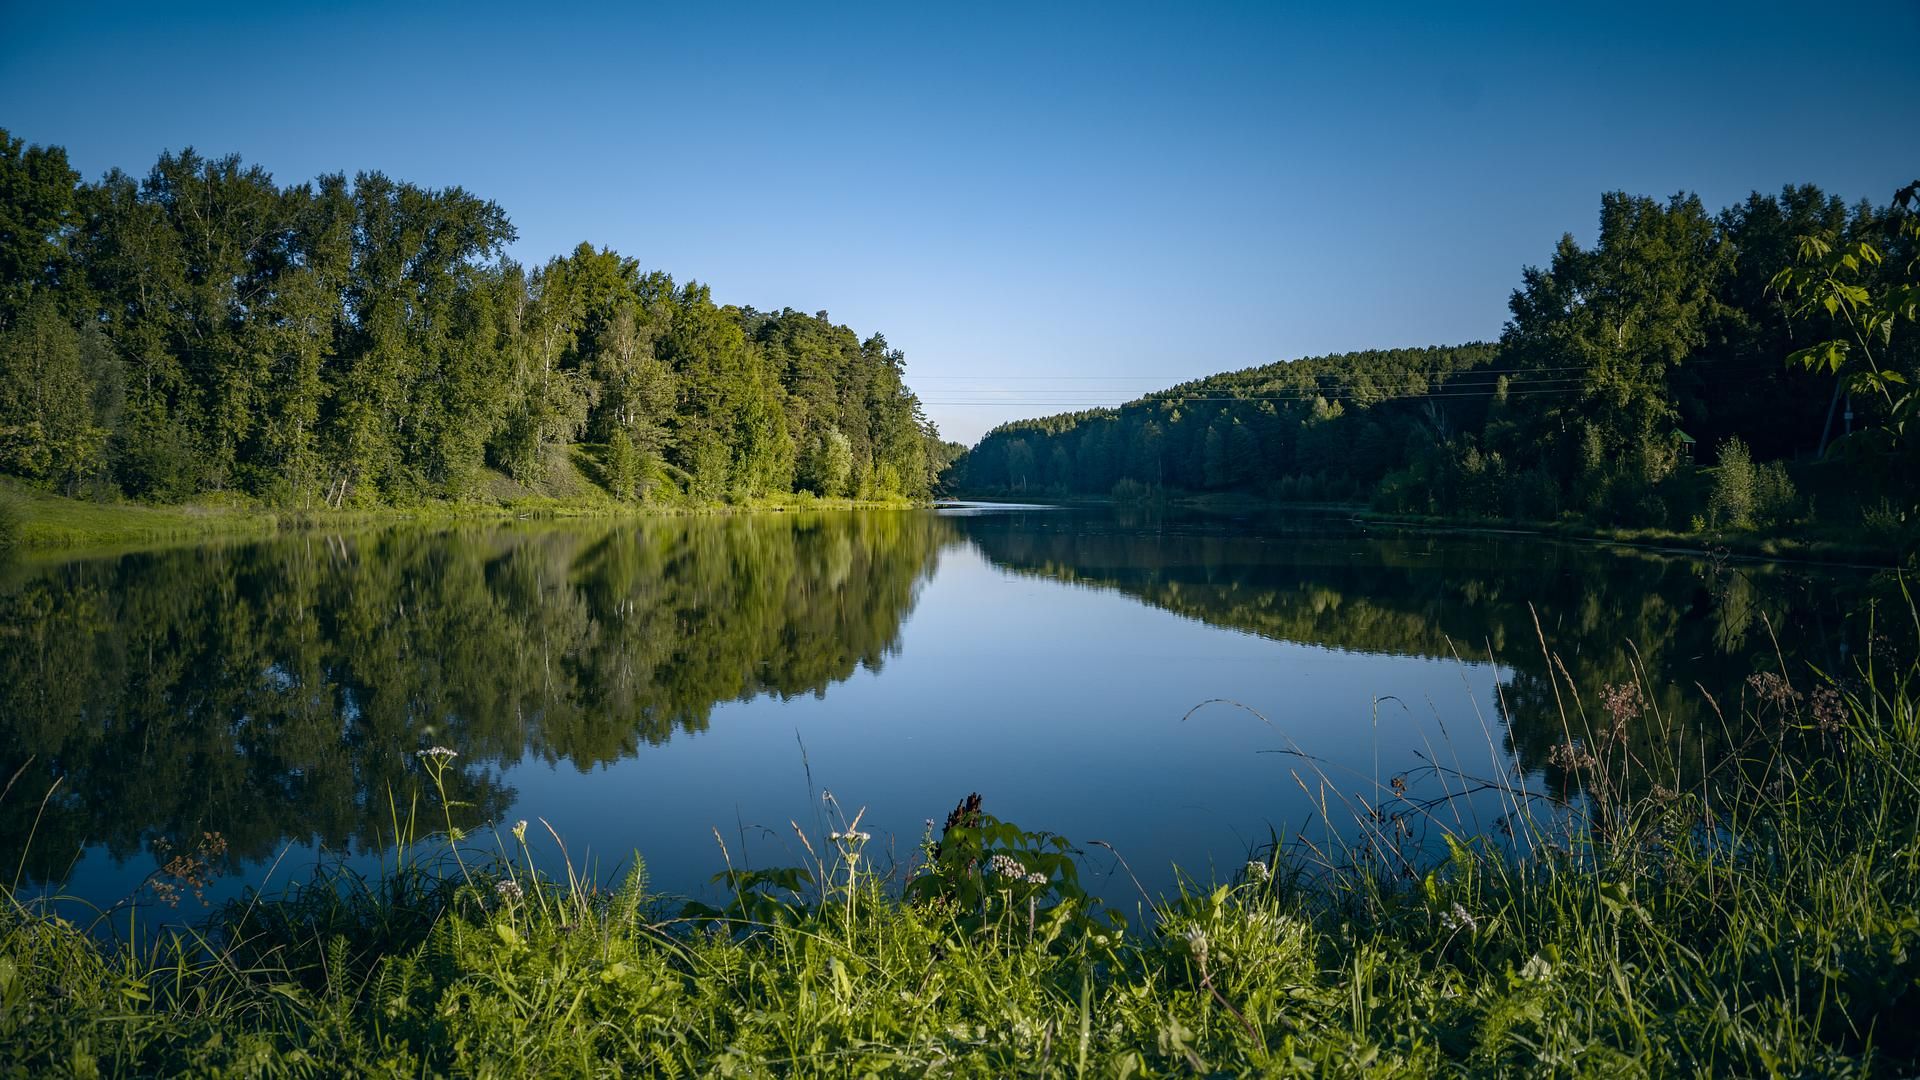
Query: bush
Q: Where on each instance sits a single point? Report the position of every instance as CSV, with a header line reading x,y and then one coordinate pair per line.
x,y
1776,501
1734,486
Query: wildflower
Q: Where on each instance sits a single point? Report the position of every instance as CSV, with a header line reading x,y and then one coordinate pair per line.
x,y
436,753
1006,866
1571,756
1457,918
1773,688
1036,878
1259,872
1829,710
1197,944
851,836
1622,702
509,890
520,830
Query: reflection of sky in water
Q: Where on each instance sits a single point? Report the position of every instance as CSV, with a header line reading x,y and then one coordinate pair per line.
x,y
1062,705
1071,706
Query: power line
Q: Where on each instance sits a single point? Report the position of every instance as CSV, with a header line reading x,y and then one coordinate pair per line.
x,y
1184,400
1351,370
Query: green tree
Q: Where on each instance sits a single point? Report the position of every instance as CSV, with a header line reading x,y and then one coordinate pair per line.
x,y
1872,303
50,428
37,217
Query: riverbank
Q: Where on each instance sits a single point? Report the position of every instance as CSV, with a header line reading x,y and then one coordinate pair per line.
x,y
1824,546
44,522
1755,918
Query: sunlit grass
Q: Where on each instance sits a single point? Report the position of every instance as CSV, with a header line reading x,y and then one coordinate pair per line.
x,y
33,519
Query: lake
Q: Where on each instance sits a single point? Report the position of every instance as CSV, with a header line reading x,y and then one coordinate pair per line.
x,y
664,685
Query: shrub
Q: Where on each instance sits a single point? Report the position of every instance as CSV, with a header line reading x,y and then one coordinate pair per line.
x,y
1776,501
1734,486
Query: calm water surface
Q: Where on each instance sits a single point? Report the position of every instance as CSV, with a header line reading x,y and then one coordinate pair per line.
x,y
641,686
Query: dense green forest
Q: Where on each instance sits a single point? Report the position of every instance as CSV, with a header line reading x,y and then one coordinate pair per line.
x,y
1748,368
366,342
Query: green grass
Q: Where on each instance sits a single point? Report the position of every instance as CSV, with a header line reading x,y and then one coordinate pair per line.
x,y
1754,916
36,520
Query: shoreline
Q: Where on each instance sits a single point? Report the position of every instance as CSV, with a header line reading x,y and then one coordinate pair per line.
x,y
55,525
1759,547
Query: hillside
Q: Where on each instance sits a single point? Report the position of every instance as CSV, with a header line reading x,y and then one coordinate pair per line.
x,y
1747,369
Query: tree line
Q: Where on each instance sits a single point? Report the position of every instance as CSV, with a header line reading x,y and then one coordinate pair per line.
x,y
206,330
1688,369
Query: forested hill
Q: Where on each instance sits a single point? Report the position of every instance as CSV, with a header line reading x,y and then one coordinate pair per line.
x,y
1690,370
364,341
1252,429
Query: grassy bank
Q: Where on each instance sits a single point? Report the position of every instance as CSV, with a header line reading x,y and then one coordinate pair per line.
x,y
1757,915
1822,546
42,521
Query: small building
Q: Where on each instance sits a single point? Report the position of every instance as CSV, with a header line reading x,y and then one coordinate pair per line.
x,y
1683,445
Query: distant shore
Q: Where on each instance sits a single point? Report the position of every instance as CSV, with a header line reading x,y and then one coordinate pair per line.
x,y
1779,545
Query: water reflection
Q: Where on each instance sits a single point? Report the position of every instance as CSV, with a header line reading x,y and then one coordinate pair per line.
x,y
281,689
1593,616
278,691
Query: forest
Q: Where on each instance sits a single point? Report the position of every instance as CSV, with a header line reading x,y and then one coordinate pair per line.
x,y
207,332
1689,370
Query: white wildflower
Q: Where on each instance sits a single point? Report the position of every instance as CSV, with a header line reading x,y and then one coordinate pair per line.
x,y
1259,872
1457,918
1006,866
440,753
520,830
1036,878
509,890
1196,943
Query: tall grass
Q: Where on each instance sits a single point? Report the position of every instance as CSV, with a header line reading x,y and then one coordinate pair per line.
x,y
9,522
1758,914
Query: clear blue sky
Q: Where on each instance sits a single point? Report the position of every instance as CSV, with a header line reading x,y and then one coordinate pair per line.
x,y
1045,206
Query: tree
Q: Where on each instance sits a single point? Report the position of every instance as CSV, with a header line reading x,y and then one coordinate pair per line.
x,y
55,393
1870,300
37,217
1619,319
1734,487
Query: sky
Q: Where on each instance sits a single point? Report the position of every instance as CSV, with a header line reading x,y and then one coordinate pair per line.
x,y
1047,206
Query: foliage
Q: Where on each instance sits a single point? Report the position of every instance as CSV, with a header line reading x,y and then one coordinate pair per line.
x,y
1735,487
1676,328
1757,920
366,343
1851,280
